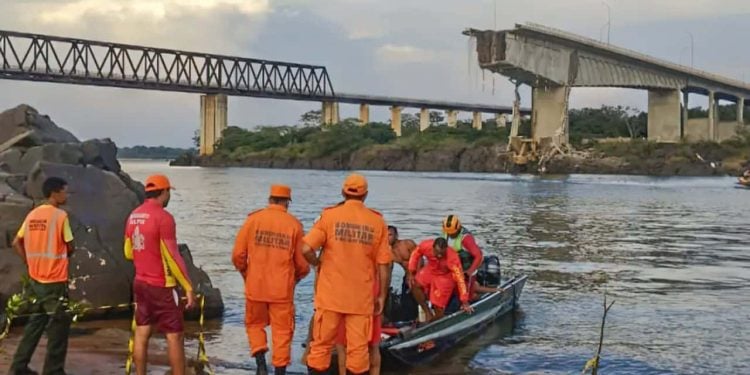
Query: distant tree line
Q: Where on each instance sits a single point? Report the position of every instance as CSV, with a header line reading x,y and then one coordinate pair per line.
x,y
151,152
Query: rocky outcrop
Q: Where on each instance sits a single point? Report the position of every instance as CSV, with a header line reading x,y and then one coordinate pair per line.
x,y
101,196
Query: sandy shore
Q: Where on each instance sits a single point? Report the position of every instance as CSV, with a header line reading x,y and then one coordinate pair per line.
x,y
94,348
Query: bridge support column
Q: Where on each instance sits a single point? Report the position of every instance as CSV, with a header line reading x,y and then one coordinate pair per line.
x,y
549,110
330,114
476,121
396,120
664,114
741,111
685,116
501,119
364,113
213,121
712,114
452,118
424,119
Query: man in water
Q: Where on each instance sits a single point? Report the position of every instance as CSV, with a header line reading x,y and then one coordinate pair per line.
x,y
438,278
401,249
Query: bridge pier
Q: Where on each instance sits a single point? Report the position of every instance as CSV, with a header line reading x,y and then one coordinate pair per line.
x,y
213,121
452,118
424,119
364,113
741,111
330,113
549,106
396,120
664,114
476,121
712,114
501,119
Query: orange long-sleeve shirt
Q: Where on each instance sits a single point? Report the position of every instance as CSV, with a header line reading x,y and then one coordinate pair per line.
x,y
447,266
268,253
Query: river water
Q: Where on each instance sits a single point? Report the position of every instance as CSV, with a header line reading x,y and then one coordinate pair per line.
x,y
671,252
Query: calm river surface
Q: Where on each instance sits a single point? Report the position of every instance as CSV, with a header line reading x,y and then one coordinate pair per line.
x,y
672,252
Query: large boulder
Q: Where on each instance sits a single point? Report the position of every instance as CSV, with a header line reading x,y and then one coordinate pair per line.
x,y
101,196
101,153
25,127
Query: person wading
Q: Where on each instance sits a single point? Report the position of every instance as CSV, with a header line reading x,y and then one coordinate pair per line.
x,y
267,252
45,242
151,243
354,239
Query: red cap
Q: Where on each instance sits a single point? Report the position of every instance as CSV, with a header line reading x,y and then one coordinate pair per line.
x,y
281,191
158,182
355,185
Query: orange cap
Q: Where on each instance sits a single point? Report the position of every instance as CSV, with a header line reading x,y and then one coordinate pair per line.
x,y
158,182
281,191
355,185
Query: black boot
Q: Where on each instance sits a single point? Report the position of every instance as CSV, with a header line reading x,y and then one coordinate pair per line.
x,y
349,372
312,371
279,371
260,362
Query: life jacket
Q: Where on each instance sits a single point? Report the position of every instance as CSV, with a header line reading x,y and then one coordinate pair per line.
x,y
457,244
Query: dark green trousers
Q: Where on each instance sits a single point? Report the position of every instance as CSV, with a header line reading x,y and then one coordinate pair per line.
x,y
48,314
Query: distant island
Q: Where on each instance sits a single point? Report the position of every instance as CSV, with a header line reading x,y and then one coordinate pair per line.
x,y
152,152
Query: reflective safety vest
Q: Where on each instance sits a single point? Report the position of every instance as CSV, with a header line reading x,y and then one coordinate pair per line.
x,y
457,244
45,233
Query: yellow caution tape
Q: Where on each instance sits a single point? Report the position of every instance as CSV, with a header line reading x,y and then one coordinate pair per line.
x,y
203,364
131,344
77,310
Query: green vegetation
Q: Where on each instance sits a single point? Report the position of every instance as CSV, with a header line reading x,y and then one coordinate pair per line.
x,y
309,140
342,139
148,152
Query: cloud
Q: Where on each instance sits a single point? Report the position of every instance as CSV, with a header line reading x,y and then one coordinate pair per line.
x,y
74,11
401,54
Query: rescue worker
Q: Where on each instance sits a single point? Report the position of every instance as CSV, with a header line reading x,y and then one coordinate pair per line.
x,y
267,252
45,242
354,239
151,243
373,344
463,242
438,278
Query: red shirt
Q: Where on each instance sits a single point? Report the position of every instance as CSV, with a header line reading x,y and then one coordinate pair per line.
x,y
151,243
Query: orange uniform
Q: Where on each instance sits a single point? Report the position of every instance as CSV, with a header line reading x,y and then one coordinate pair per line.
x,y
354,239
440,276
267,253
45,233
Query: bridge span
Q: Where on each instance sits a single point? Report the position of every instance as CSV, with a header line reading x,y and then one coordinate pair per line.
x,y
45,58
552,62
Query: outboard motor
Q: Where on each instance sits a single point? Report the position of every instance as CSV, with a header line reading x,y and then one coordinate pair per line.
x,y
488,273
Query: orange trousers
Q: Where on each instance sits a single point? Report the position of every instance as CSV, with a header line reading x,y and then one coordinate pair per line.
x,y
280,316
325,329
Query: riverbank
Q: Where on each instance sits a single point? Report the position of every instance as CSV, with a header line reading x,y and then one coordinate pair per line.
x,y
626,158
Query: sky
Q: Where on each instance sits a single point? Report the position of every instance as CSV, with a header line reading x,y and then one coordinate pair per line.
x,y
405,48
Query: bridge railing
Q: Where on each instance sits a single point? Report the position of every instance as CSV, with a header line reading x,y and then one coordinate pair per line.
x,y
55,59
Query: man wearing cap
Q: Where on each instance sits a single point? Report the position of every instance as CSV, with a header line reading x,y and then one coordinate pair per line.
x,y
355,255
268,254
151,243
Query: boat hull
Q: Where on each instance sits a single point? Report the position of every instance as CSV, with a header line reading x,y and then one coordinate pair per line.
x,y
424,344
